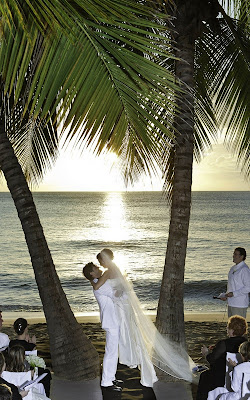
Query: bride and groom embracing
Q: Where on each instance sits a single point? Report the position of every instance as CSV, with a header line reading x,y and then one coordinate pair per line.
x,y
131,335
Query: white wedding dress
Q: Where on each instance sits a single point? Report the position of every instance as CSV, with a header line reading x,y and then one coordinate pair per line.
x,y
132,351
140,342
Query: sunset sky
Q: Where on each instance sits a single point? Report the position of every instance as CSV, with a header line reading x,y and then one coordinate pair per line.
x,y
75,172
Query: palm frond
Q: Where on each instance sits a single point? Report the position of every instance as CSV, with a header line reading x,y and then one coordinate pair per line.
x,y
35,143
106,87
237,9
229,72
206,126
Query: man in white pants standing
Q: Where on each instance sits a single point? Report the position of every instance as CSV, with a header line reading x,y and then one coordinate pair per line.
x,y
238,287
104,296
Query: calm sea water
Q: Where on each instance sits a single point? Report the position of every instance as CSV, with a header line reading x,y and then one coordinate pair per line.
x,y
135,226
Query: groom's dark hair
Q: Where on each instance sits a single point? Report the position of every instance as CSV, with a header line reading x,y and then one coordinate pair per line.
x,y
87,269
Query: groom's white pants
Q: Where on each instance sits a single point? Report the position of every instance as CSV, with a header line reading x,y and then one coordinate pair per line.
x,y
110,357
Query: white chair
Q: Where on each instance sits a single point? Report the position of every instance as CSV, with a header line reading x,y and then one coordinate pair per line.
x,y
241,385
229,368
18,378
245,388
31,353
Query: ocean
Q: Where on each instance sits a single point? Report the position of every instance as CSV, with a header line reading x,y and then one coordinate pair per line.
x,y
134,225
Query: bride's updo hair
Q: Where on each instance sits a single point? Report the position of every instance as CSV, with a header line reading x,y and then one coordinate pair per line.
x,y
20,325
108,252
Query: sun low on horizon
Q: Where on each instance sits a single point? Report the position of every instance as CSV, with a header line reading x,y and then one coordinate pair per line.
x,y
73,171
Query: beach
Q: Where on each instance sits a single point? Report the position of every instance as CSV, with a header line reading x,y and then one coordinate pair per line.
x,y
200,329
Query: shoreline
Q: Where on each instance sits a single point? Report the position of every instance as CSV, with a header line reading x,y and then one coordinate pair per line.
x,y
38,317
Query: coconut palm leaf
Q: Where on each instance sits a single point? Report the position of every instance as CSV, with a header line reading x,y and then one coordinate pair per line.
x,y
238,9
228,73
103,86
222,96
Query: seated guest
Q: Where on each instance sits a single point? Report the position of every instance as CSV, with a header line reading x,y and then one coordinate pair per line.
x,y
4,339
16,362
238,373
5,392
15,393
23,338
29,344
215,376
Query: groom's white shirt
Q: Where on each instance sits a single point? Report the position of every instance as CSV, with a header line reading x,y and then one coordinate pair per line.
x,y
104,296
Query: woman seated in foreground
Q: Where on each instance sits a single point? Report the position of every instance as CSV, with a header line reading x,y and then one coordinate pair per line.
x,y
23,337
237,374
16,395
29,344
216,356
16,362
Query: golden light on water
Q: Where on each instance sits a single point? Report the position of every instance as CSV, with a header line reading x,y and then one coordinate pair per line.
x,y
114,222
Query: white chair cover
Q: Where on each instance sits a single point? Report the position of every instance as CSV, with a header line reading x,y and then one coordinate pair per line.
x,y
229,368
31,353
37,392
216,393
17,378
240,385
245,390
4,341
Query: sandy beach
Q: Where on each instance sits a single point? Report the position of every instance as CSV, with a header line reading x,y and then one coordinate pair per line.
x,y
200,329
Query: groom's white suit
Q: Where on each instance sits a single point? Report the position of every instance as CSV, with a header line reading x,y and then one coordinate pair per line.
x,y
104,296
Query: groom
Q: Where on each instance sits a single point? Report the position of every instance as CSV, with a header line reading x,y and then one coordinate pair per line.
x,y
104,296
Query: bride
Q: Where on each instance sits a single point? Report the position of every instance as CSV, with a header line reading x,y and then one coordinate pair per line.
x,y
140,343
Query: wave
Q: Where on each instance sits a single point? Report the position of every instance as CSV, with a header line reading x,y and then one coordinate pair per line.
x,y
143,287
21,307
100,244
204,288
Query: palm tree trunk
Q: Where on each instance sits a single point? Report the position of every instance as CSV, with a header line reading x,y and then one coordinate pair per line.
x,y
73,355
170,313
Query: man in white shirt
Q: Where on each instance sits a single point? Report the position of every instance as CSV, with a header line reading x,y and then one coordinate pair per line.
x,y
238,287
104,296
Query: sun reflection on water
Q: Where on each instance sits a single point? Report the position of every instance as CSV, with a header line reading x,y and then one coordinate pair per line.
x,y
114,222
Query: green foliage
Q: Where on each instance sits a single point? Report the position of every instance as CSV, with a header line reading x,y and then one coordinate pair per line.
x,y
93,66
225,66
221,93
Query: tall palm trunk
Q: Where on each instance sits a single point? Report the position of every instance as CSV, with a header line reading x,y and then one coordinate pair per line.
x,y
73,355
170,314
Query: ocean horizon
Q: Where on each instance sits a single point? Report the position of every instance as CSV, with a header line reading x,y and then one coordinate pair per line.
x,y
77,225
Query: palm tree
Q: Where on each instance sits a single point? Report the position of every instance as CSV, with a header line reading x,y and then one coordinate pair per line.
x,y
79,67
212,46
